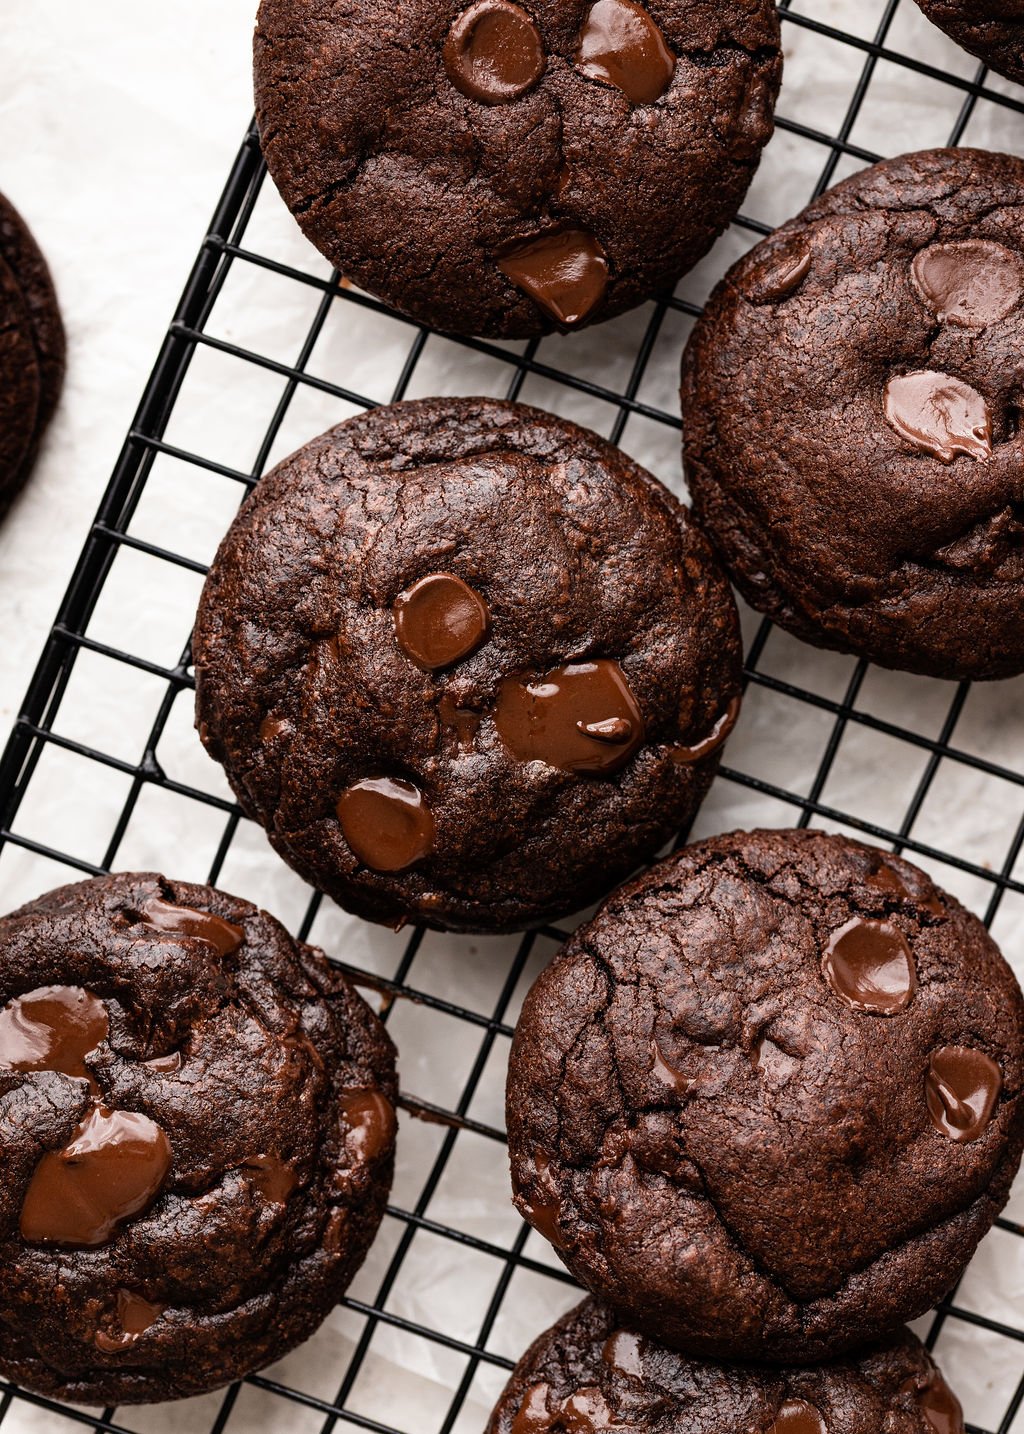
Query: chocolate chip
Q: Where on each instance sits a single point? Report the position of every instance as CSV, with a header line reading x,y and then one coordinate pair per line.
x,y
223,936
549,720
621,45
439,620
386,822
869,964
565,271
940,415
111,1171
494,52
52,1029
972,283
962,1087
796,1416
370,1123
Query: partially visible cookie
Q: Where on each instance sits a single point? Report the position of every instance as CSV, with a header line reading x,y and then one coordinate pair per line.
x,y
32,350
767,1102
466,662
20,385
505,169
588,1373
991,29
851,406
197,1138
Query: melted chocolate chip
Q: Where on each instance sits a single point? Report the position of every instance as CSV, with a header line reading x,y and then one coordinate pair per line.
x,y
52,1029
370,1123
887,879
273,727
585,1412
222,935
387,823
961,1088
782,273
111,1171
939,415
440,619
542,1210
798,1417
972,283
464,722
938,1404
134,1316
715,738
166,1065
667,1073
533,1416
494,52
771,1061
621,45
565,271
869,964
623,1352
550,720
272,1177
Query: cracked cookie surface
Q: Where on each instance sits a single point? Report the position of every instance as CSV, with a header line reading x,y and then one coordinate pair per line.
x,y
851,405
991,29
197,1130
504,171
767,1101
588,1373
31,350
466,662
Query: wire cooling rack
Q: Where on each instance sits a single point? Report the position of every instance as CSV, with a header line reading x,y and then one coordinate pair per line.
x,y
103,770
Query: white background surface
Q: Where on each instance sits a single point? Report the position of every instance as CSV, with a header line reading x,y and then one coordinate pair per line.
x,y
117,125
118,122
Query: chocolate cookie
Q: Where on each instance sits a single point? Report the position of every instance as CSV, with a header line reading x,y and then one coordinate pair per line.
x,y
991,29
466,662
767,1102
507,170
31,350
588,1374
850,403
197,1137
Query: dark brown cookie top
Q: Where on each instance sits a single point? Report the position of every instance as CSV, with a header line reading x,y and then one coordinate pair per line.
x,y
466,662
768,1100
991,29
588,1373
850,404
177,1077
503,169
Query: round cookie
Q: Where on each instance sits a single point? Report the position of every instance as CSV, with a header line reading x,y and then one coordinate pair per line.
x,y
767,1101
32,350
506,170
587,1373
197,1134
850,403
466,662
991,29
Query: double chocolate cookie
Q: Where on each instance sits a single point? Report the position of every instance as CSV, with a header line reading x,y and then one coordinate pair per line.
x,y
466,662
588,1374
197,1136
991,29
851,404
31,351
767,1102
507,169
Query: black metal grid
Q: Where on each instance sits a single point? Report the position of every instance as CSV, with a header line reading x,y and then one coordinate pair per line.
x,y
929,740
